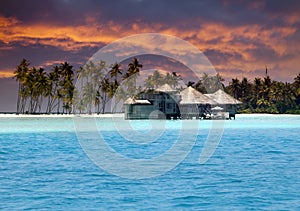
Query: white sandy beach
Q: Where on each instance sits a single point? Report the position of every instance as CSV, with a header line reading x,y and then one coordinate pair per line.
x,y
266,115
60,115
120,115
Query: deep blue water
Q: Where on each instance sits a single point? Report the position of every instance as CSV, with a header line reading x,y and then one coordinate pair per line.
x,y
256,166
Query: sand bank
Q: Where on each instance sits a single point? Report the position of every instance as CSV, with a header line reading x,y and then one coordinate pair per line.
x,y
60,115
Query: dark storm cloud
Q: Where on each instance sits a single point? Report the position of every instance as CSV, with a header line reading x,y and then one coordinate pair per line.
x,y
225,30
263,53
282,7
218,57
34,11
165,12
41,55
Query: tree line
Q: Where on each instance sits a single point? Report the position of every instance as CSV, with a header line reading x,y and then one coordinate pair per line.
x,y
262,95
35,86
54,91
96,88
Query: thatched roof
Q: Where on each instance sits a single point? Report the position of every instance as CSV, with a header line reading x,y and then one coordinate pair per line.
x,y
191,96
223,98
165,88
132,101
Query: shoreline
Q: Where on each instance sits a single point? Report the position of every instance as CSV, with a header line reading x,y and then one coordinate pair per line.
x,y
60,115
119,115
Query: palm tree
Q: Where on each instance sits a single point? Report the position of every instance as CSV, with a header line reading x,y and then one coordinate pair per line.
x,y
212,83
265,98
289,97
130,77
296,87
175,79
134,69
276,96
89,76
115,71
41,87
190,84
114,85
88,97
235,88
134,66
266,86
167,79
19,75
149,82
125,76
256,92
245,89
200,87
66,86
157,79
54,81
105,88
31,88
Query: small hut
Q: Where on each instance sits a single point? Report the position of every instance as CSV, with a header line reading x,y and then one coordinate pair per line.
x,y
225,101
157,104
137,109
194,104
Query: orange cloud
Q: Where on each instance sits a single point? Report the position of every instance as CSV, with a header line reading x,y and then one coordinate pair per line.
x,y
69,37
239,40
6,73
54,62
6,22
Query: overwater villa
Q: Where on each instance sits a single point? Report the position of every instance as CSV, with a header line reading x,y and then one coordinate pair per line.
x,y
194,104
168,103
154,104
224,103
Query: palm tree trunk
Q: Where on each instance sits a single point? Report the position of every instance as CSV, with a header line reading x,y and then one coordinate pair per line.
x,y
48,105
23,104
58,105
40,104
103,104
18,99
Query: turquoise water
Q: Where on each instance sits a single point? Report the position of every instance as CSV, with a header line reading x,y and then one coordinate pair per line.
x,y
256,166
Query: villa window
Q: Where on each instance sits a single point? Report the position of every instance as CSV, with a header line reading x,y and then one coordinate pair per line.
x,y
169,105
130,108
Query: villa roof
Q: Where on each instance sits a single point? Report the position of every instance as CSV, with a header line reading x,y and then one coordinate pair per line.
x,y
132,101
165,88
222,97
191,96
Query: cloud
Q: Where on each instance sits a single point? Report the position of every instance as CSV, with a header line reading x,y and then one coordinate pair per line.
x,y
170,12
235,35
8,73
42,56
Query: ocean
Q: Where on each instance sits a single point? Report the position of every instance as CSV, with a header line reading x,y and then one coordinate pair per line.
x,y
46,164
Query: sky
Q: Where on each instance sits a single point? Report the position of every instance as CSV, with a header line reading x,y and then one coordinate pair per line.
x,y
240,38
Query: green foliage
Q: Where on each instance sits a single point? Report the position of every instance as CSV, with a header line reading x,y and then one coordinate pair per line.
x,y
260,96
35,84
157,79
266,96
100,84
208,83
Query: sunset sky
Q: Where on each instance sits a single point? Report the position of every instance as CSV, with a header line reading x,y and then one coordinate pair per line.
x,y
239,37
